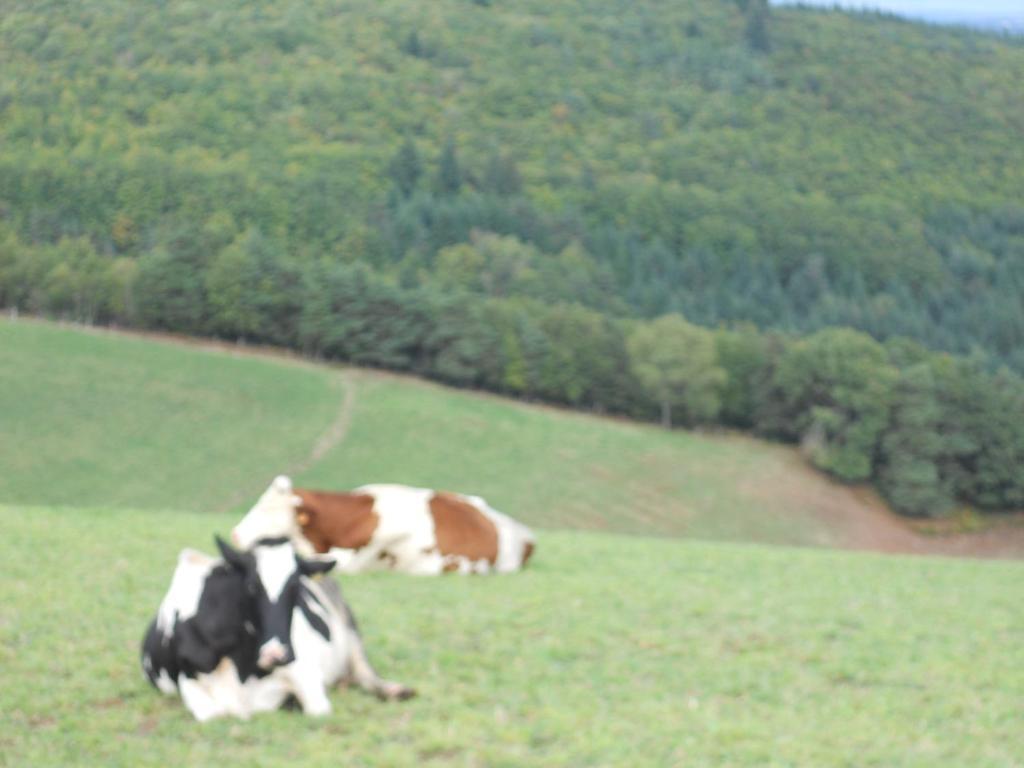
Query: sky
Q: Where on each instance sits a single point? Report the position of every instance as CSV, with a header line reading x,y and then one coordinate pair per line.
x,y
986,13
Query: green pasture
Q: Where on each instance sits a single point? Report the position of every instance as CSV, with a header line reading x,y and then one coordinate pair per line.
x,y
95,419
608,651
89,418
557,469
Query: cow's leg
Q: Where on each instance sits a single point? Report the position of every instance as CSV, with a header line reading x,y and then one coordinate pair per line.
x,y
350,645
215,694
268,693
227,689
308,686
197,700
366,677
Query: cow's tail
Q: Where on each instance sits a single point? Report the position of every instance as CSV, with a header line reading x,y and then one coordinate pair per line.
x,y
528,548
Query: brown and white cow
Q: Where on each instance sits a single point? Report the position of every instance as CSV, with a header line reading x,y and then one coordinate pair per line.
x,y
390,527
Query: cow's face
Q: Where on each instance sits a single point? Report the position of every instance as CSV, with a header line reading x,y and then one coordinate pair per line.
x,y
272,574
273,515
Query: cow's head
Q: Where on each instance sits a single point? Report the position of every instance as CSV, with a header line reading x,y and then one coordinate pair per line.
x,y
272,573
273,515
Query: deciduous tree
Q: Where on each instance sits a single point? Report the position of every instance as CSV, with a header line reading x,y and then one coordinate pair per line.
x,y
676,363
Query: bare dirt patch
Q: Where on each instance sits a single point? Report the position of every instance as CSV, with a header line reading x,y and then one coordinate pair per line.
x,y
855,517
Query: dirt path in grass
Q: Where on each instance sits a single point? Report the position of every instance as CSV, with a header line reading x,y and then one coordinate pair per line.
x,y
332,437
337,430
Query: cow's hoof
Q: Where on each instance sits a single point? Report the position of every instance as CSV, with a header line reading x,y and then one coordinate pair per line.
x,y
317,710
395,692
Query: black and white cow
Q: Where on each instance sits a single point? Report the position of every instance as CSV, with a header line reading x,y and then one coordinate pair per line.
x,y
246,633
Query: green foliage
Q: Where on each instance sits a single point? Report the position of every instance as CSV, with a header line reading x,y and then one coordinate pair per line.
x,y
836,386
733,162
505,266
405,168
252,292
69,280
351,314
80,284
501,175
676,363
449,173
171,294
461,268
909,474
463,345
513,377
987,466
757,13
743,354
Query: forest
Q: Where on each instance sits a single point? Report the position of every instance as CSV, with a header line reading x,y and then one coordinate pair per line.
x,y
808,224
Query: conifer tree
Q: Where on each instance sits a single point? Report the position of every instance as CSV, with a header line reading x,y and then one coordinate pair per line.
x,y
757,34
405,168
449,173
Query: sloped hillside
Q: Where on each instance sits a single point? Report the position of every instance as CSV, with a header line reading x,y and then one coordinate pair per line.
x,y
94,418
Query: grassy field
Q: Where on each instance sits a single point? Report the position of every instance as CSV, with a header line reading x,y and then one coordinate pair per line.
x,y
94,419
557,469
611,651
89,419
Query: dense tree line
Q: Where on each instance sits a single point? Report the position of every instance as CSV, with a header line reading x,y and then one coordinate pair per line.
x,y
699,212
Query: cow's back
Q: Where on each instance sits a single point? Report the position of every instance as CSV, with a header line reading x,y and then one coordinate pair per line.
x,y
412,530
449,531
516,541
402,512
330,520
373,527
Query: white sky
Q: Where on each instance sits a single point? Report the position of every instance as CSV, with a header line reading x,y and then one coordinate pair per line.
x,y
935,9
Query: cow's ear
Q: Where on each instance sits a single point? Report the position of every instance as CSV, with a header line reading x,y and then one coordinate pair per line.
x,y
303,514
313,567
193,650
231,556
